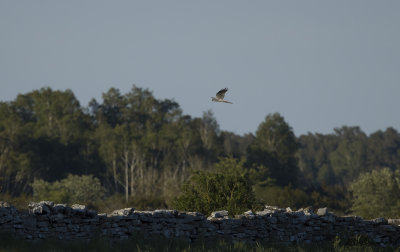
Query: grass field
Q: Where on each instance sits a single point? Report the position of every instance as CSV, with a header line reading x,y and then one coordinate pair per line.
x,y
9,243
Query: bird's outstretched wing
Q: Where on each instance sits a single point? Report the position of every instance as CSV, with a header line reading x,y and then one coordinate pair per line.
x,y
227,102
221,93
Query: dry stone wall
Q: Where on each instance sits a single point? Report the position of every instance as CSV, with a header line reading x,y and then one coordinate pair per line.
x,y
48,220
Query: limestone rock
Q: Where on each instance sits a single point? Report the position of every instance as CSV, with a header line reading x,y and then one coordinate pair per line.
x,y
7,209
394,222
41,208
79,209
4,204
274,209
249,213
379,221
322,211
308,210
164,213
219,214
61,208
264,212
123,212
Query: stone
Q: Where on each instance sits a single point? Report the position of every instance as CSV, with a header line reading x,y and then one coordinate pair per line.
x,y
273,220
123,212
48,203
6,209
41,208
308,210
46,220
194,214
60,208
219,214
264,212
322,211
4,204
91,213
249,214
274,209
164,213
388,228
329,218
6,219
379,221
394,222
78,209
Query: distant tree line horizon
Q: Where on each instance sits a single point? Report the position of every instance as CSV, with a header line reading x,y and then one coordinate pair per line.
x,y
142,150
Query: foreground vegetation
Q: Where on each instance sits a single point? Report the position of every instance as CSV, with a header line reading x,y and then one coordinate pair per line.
x,y
8,243
136,150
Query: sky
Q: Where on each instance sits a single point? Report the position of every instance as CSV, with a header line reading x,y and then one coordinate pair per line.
x,y
320,64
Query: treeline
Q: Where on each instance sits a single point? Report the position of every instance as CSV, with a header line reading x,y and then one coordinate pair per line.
x,y
145,149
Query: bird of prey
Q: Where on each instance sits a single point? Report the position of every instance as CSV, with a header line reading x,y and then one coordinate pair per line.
x,y
220,96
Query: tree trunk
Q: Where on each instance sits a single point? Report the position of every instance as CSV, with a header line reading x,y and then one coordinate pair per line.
x,y
126,164
114,165
133,164
2,157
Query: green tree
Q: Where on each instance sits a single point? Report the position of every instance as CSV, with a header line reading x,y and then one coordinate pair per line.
x,y
384,149
313,159
209,132
138,137
15,154
110,110
227,188
326,176
376,194
349,158
59,134
235,145
275,148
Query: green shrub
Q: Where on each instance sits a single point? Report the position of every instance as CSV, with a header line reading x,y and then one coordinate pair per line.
x,y
228,188
84,189
21,202
377,194
283,196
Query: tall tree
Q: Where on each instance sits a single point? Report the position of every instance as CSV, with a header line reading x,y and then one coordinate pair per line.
x,y
349,158
61,138
384,149
313,156
275,148
15,156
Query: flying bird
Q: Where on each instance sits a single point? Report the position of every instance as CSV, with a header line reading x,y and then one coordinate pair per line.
x,y
220,96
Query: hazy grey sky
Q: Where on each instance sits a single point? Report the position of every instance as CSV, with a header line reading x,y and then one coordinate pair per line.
x,y
320,64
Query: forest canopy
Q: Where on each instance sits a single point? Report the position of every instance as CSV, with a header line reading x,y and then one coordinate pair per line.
x,y
135,149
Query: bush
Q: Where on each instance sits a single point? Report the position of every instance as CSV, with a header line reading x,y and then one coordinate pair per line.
x,y
84,189
21,202
228,188
283,196
376,194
